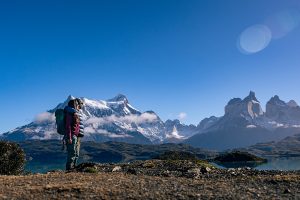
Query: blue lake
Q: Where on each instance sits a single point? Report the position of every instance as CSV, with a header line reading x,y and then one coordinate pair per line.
x,y
36,167
282,163
279,163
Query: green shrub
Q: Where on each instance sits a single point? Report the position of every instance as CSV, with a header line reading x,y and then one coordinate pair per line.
x,y
12,158
90,170
239,156
176,155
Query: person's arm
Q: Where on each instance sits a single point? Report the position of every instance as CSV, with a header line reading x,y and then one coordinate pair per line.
x,y
76,124
69,128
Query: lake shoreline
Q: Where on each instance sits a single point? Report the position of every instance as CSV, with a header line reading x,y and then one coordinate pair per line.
x,y
273,163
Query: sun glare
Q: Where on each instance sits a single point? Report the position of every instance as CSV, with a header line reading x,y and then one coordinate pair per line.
x,y
254,39
283,23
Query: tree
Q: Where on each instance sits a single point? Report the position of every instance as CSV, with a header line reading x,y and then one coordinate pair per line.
x,y
12,158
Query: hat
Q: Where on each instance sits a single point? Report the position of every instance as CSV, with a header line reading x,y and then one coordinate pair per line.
x,y
79,101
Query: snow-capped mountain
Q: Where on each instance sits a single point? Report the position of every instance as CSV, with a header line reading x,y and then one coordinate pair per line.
x,y
244,123
111,120
183,130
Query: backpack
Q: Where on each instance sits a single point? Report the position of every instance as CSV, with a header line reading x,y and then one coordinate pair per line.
x,y
60,121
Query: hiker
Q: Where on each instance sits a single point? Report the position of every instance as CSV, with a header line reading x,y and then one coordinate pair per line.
x,y
73,131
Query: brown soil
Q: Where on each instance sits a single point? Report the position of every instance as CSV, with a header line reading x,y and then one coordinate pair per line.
x,y
119,185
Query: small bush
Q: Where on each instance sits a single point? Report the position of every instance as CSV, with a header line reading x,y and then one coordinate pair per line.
x,y
176,155
90,170
12,158
238,156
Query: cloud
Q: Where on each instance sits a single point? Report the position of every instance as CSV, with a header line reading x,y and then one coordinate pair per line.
x,y
174,134
182,115
49,134
112,135
138,119
46,135
89,129
97,120
45,117
143,118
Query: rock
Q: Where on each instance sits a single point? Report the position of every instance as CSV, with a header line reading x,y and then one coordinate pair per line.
x,y
283,112
287,191
55,171
83,166
132,171
194,172
273,182
117,169
205,170
166,173
234,173
148,165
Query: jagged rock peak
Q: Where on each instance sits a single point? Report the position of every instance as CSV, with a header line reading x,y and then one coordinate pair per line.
x,y
292,103
150,112
119,97
276,97
207,122
175,121
70,97
282,112
249,106
62,105
251,97
276,101
234,101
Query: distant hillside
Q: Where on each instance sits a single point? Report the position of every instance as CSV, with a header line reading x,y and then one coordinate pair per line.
x,y
44,153
288,147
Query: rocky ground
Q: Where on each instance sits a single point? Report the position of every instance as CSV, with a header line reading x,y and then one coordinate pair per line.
x,y
153,179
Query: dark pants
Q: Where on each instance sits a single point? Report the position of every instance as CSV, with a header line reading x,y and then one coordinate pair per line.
x,y
73,152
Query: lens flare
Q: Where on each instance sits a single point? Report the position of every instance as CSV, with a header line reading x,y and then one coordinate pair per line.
x,y
254,39
283,22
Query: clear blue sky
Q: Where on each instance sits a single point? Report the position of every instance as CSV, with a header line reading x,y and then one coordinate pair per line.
x,y
170,56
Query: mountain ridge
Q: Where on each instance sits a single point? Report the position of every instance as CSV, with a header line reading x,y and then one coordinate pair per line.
x,y
116,119
244,123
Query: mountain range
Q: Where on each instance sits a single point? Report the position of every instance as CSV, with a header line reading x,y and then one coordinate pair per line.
x,y
244,123
114,119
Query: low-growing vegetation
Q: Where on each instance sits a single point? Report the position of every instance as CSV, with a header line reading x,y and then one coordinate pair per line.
x,y
239,156
12,158
176,155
